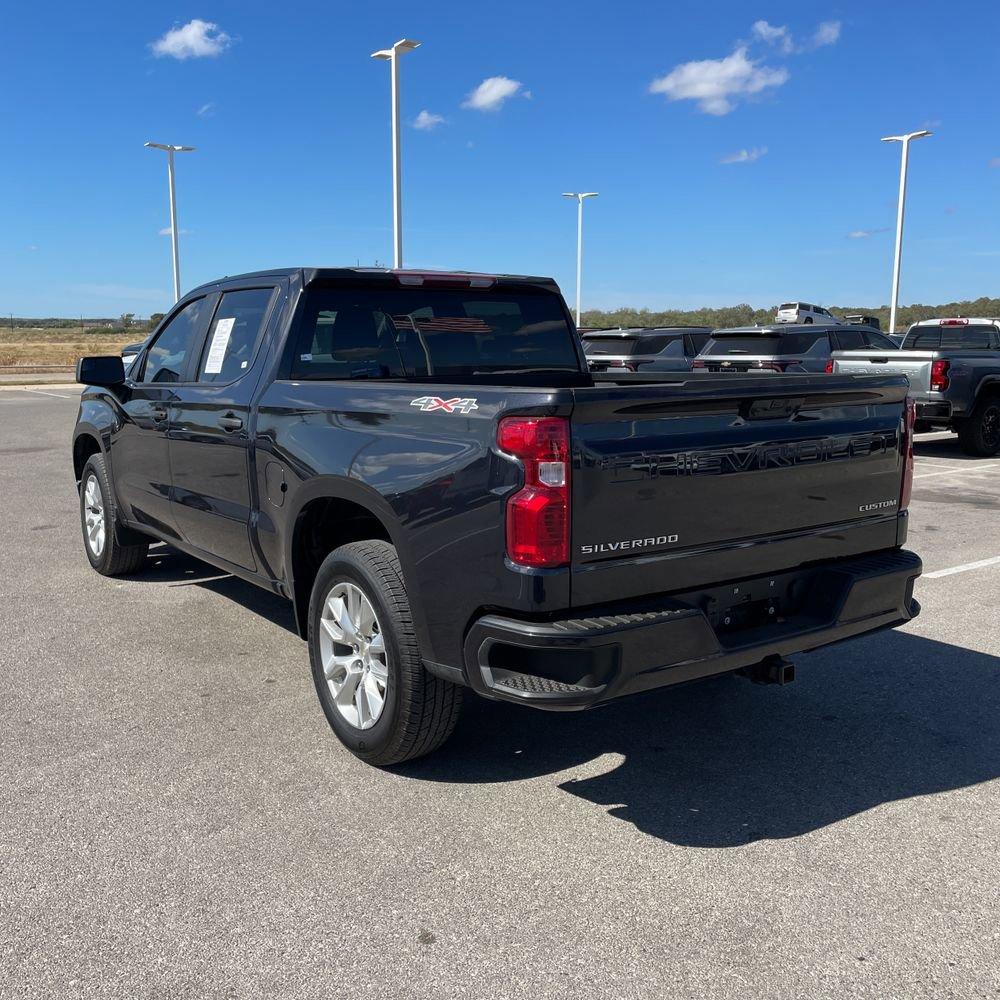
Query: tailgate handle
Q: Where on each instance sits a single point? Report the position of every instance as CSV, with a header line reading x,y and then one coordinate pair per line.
x,y
879,361
770,409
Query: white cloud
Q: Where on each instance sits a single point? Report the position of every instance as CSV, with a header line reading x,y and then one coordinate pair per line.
x,y
491,93
745,155
864,234
165,231
774,35
779,36
206,110
427,120
828,33
716,84
193,40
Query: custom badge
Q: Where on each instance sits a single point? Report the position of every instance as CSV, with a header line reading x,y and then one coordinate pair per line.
x,y
428,404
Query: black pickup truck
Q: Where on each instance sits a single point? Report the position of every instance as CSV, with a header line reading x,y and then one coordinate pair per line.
x,y
423,464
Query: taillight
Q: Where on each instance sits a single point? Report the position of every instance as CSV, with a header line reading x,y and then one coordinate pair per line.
x,y
538,514
697,363
939,375
909,419
829,367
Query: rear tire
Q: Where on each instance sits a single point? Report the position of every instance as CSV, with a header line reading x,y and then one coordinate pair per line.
x,y
112,548
979,433
808,319
376,695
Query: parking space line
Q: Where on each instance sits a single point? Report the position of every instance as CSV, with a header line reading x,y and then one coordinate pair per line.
x,y
953,472
965,567
54,395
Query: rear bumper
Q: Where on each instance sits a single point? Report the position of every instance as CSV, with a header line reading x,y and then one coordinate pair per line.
x,y
937,410
577,663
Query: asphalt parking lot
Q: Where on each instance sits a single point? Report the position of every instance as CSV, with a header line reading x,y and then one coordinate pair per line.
x,y
178,821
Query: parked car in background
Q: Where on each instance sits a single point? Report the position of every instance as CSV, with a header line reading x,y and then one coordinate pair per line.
x,y
131,351
664,349
897,338
954,370
858,319
784,347
803,312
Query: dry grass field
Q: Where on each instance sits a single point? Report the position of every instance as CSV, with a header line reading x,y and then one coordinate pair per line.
x,y
27,346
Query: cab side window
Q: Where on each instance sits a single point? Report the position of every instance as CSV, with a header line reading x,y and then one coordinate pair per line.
x,y
230,345
168,355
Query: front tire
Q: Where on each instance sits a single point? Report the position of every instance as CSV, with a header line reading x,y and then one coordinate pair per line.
x,y
113,550
979,433
376,695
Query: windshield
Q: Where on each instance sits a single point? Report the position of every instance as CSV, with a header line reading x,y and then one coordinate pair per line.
x,y
437,334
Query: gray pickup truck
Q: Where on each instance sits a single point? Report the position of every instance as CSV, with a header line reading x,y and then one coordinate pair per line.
x,y
954,370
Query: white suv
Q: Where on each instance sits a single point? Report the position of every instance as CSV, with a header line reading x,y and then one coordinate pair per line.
x,y
803,312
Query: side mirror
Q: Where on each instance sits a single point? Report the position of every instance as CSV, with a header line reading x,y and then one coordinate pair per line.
x,y
100,370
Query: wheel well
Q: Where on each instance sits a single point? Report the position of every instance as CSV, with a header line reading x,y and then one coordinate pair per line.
x,y
323,525
988,391
83,447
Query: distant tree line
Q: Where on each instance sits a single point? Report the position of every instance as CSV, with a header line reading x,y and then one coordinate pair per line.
x,y
125,323
746,315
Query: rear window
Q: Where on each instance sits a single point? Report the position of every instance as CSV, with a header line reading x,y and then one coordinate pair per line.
x,y
431,333
609,345
789,305
775,344
930,338
654,344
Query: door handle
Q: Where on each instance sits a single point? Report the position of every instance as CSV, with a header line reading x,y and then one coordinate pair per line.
x,y
158,413
230,422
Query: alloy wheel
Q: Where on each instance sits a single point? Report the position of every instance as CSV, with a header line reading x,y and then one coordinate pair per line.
x,y
93,515
353,655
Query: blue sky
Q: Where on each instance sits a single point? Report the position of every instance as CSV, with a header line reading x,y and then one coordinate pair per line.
x,y
641,102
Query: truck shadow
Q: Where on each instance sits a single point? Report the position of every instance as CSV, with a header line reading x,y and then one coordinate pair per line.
x,y
725,762
167,566
946,447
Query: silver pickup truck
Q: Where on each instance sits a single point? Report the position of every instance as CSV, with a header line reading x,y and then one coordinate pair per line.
x,y
954,370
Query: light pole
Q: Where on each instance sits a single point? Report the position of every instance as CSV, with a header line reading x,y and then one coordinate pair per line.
x,y
580,196
170,150
401,47
900,206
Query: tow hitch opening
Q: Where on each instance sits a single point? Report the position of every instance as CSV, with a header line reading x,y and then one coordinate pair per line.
x,y
772,670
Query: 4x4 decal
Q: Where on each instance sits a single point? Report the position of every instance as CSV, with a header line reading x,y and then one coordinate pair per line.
x,y
457,405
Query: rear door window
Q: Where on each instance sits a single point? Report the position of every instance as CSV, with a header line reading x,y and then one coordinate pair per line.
x,y
232,341
850,340
877,342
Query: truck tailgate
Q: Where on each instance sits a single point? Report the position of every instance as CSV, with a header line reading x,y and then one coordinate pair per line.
x,y
915,365
715,479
